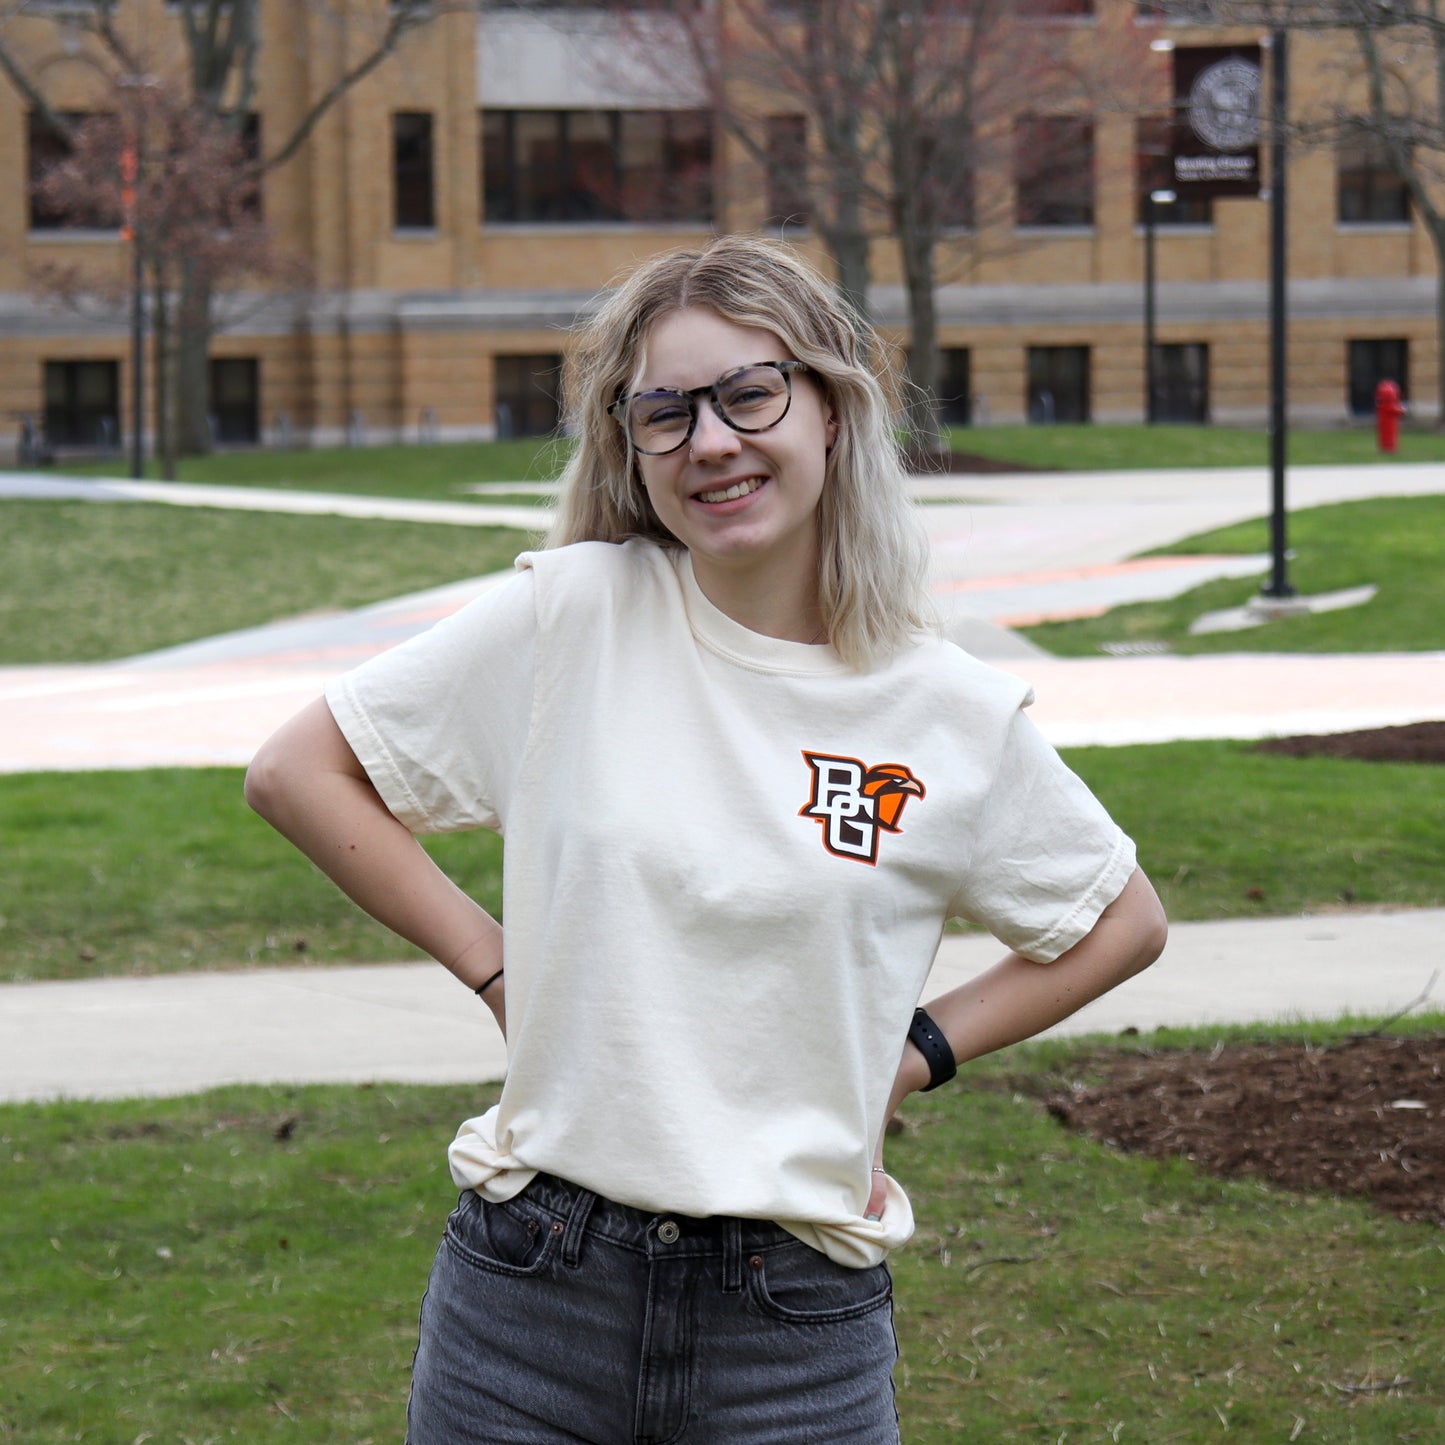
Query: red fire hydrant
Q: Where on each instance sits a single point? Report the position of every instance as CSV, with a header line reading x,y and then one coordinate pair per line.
x,y
1388,411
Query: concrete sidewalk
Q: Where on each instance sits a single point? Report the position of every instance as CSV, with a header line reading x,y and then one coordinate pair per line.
x,y
413,1023
1004,547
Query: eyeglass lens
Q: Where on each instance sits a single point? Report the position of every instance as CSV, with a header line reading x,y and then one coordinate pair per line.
x,y
750,399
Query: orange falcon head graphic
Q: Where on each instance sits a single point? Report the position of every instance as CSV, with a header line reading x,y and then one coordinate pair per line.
x,y
891,784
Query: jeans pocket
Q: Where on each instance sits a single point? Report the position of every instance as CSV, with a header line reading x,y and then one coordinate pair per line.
x,y
797,1283
511,1237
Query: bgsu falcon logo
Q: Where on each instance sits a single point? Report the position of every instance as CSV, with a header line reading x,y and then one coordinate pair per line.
x,y
855,803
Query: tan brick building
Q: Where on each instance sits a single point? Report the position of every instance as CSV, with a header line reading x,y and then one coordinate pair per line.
x,y
461,204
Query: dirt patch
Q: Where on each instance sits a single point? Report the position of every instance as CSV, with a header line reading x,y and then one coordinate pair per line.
x,y
1413,743
1362,1117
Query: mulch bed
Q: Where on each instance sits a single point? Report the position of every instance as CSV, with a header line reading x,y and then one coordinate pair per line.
x,y
1413,743
1361,1117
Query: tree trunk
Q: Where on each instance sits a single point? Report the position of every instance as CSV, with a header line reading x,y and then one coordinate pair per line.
x,y
163,373
925,432
192,347
1437,240
850,255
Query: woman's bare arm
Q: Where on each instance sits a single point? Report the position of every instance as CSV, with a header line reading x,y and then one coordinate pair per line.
x,y
1017,998
309,785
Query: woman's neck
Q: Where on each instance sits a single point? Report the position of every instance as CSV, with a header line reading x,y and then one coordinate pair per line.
x,y
785,608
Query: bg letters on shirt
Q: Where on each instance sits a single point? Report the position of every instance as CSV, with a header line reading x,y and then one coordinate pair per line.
x,y
855,803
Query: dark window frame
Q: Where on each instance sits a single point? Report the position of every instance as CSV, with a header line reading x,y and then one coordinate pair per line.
x,y
413,171
1368,362
235,413
46,147
1181,382
1058,192
789,202
529,386
955,385
1047,374
73,420
1368,191
587,179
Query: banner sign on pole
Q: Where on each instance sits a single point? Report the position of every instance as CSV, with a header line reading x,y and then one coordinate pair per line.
x,y
1217,120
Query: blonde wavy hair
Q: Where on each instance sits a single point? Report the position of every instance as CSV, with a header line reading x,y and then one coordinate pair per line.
x,y
873,554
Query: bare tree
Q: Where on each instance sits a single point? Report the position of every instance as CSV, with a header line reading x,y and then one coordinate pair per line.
x,y
1391,96
957,84
184,188
911,108
222,41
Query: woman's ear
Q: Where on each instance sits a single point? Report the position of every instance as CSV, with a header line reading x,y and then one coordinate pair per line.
x,y
830,431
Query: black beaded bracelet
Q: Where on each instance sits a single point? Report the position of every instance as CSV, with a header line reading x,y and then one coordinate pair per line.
x,y
482,987
928,1039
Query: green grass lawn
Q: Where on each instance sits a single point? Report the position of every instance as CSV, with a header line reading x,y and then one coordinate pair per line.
x,y
439,473
88,582
1394,543
247,1265
94,581
443,472
1130,448
166,870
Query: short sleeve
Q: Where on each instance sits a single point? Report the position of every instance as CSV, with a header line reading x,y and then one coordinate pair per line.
x,y
1046,859
440,722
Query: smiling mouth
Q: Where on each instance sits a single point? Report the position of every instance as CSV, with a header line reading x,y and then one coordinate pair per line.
x,y
732,493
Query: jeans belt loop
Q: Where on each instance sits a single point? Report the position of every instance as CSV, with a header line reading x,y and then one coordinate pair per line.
x,y
582,1205
733,1256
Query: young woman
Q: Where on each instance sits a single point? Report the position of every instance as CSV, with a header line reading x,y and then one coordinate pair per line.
x,y
742,789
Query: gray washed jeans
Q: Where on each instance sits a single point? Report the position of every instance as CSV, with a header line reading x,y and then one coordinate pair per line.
x,y
562,1317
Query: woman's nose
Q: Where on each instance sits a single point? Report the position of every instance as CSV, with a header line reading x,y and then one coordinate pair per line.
x,y
711,435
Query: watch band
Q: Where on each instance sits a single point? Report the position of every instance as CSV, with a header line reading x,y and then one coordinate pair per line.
x,y
928,1039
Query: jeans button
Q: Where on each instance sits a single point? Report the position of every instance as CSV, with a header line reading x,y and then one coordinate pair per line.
x,y
668,1232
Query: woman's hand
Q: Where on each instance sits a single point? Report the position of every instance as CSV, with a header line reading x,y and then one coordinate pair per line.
x,y
912,1075
1017,999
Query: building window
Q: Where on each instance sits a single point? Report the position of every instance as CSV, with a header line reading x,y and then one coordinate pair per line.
x,y
787,163
250,137
1368,188
48,148
955,386
82,404
1058,384
1372,362
1180,12
413,171
1154,171
553,167
528,393
1054,170
1181,382
236,401
1057,9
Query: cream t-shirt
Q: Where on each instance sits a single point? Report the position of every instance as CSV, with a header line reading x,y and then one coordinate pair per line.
x,y
728,864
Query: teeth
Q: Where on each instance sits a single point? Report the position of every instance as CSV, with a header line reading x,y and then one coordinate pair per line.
x,y
732,493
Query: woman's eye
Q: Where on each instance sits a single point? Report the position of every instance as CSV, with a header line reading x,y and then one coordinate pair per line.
x,y
749,398
664,415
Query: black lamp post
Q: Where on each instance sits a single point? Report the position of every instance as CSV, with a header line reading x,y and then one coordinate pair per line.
x,y
1152,202
1278,584
137,358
